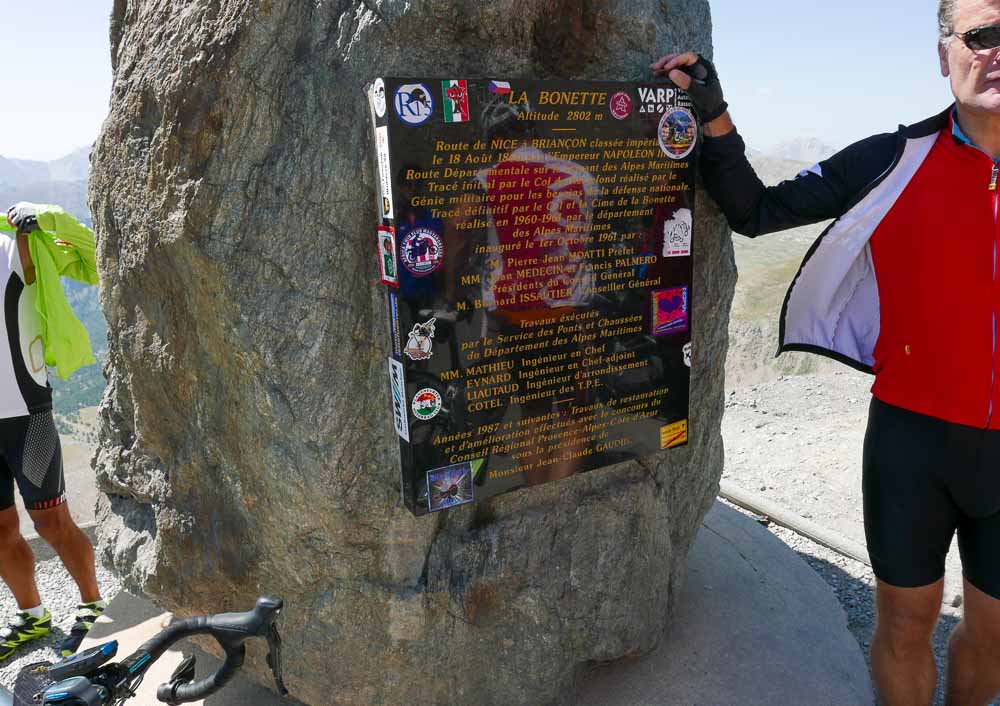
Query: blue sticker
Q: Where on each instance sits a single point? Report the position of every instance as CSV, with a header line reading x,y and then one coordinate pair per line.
x,y
414,103
678,133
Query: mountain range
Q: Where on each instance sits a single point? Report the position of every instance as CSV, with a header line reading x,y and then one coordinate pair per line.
x,y
62,181
802,149
73,167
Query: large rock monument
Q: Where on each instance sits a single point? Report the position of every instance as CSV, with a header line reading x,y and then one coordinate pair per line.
x,y
246,441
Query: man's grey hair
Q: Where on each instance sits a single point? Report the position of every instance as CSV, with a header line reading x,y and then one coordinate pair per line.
x,y
946,19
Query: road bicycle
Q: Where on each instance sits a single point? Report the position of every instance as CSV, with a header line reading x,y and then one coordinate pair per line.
x,y
91,679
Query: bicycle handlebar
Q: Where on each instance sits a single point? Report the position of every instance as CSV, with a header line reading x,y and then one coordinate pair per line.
x,y
179,693
229,630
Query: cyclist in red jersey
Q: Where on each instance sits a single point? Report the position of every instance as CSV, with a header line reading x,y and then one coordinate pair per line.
x,y
904,284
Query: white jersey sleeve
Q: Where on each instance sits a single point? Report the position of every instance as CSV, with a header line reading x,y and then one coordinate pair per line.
x,y
24,385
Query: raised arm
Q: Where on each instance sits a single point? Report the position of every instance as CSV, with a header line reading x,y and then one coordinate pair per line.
x,y
69,244
22,220
823,192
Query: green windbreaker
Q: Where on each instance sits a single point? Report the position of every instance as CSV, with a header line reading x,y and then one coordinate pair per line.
x,y
62,247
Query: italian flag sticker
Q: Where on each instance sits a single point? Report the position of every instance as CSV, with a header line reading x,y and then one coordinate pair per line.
x,y
456,101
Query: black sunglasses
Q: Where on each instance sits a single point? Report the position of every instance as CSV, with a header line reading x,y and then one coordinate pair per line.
x,y
981,38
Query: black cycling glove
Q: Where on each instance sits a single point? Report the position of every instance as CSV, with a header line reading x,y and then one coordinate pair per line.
x,y
705,90
23,216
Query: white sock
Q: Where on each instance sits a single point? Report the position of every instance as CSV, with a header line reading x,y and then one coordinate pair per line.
x,y
98,604
36,612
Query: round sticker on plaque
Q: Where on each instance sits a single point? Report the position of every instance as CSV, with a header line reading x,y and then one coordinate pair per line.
x,y
426,404
678,133
422,251
414,103
378,97
621,105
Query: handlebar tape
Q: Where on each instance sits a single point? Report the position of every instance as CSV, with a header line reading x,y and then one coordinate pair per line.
x,y
176,693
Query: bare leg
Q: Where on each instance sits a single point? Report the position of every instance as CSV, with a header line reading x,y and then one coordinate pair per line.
x,y
974,652
902,658
17,562
56,526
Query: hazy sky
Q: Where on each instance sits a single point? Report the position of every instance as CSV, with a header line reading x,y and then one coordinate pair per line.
x,y
838,71
55,74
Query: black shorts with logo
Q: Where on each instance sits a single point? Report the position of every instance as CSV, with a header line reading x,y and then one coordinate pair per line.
x,y
31,455
924,480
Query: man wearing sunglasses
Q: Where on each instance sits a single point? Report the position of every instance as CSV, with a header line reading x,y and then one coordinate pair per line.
x,y
904,284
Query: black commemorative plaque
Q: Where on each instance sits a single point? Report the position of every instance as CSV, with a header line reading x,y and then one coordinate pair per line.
x,y
535,243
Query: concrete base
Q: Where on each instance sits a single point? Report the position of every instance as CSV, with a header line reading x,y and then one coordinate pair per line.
x,y
132,621
755,625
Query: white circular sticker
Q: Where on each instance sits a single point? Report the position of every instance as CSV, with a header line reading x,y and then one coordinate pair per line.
x,y
378,97
426,404
414,103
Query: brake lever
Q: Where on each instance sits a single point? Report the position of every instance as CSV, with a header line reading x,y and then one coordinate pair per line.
x,y
185,670
274,657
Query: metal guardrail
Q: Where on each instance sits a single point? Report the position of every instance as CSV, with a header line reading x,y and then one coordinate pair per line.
x,y
759,505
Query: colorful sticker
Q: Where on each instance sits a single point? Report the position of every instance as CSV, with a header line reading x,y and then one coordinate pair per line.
x,y
500,88
673,435
388,267
621,105
426,404
414,103
420,343
423,251
378,97
677,234
449,486
678,133
456,101
384,173
397,381
394,323
670,311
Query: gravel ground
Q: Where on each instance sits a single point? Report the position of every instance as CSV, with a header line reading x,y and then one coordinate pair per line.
x,y
60,595
797,441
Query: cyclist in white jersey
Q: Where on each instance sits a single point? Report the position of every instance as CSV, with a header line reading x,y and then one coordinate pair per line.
x,y
31,456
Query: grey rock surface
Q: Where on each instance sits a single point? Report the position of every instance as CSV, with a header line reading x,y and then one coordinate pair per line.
x,y
756,626
245,430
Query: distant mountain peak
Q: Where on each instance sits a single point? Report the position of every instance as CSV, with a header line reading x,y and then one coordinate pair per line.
x,y
803,149
74,166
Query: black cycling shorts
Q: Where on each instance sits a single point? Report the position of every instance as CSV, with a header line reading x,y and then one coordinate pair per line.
x,y
30,454
924,480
